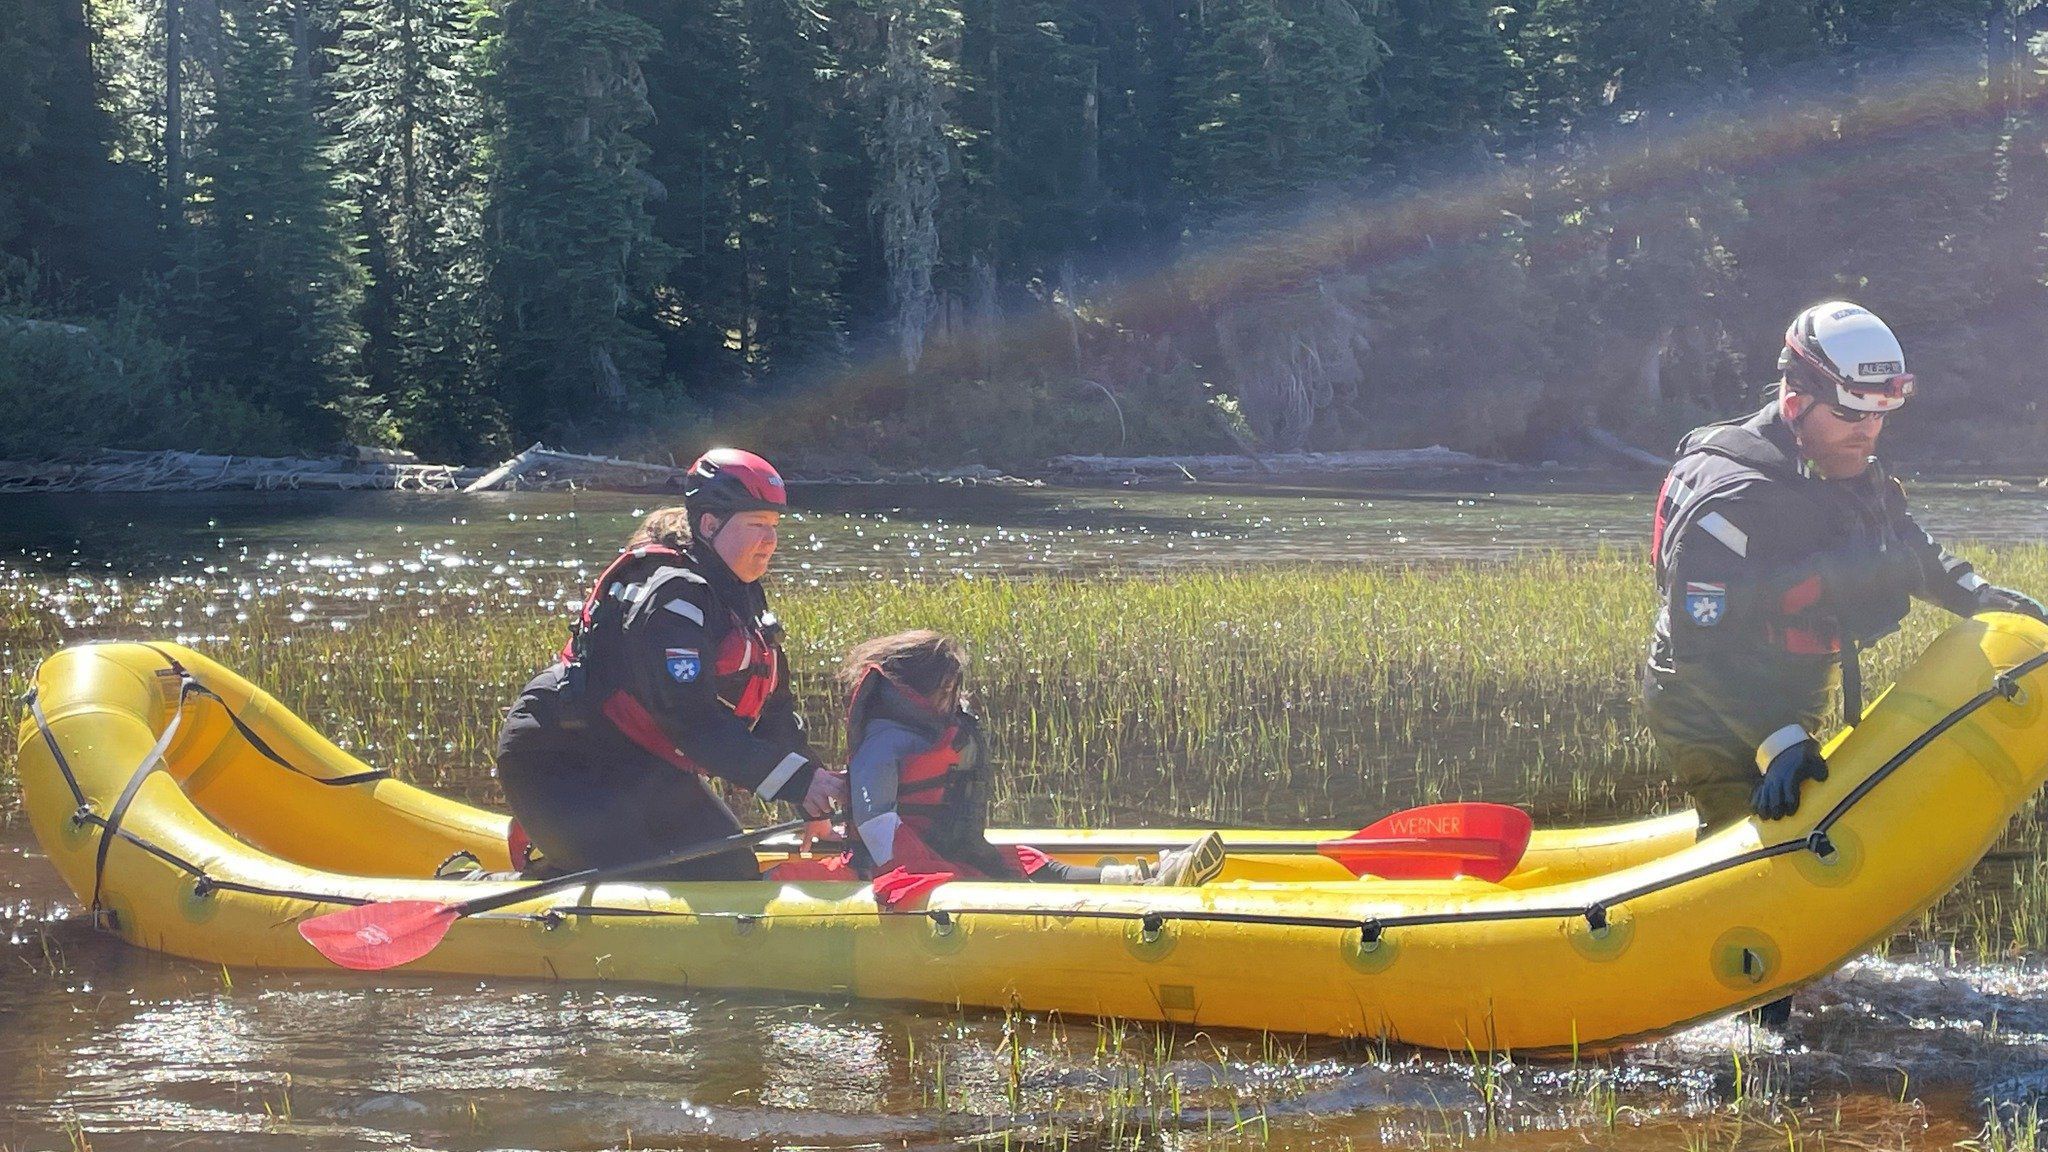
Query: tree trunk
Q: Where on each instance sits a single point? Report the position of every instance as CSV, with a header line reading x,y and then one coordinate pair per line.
x,y
302,43
983,311
174,143
1070,311
409,131
1091,139
995,96
1651,373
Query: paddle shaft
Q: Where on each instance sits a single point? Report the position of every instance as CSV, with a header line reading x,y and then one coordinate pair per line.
x,y
1452,838
1474,846
1385,845
618,871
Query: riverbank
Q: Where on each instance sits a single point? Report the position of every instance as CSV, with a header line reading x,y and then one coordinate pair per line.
x,y
540,468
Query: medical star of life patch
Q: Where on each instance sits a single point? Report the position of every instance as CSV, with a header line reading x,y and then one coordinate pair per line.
x,y
1705,603
683,664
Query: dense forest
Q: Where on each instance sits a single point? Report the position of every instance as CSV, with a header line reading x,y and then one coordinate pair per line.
x,y
912,231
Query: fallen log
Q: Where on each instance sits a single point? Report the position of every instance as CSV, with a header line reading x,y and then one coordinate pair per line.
x,y
1435,458
1609,442
116,470
540,467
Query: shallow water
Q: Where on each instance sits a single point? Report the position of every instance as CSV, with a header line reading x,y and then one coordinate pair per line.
x,y
110,1047
137,1051
326,540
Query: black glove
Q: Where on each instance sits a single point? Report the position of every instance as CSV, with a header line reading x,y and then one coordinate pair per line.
x,y
1778,796
1992,598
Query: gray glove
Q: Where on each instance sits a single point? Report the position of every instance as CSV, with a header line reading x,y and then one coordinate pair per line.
x,y
1992,598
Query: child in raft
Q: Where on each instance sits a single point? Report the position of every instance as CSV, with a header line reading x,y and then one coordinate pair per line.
x,y
917,774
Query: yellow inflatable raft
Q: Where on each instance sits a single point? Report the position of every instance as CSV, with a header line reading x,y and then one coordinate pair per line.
x,y
202,819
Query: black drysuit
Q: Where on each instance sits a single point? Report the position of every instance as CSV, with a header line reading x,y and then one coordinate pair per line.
x,y
1770,578
676,674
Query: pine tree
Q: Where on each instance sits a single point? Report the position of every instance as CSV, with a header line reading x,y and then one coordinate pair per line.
x,y
67,209
273,283
573,258
1448,80
1640,208
404,116
696,141
791,241
2015,267
1137,48
448,401
905,100
1030,110
1276,99
1917,182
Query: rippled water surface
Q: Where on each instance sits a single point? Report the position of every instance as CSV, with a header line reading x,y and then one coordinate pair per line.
x,y
854,531
110,1047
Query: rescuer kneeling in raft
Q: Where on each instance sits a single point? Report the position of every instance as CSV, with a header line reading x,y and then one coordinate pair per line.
x,y
674,674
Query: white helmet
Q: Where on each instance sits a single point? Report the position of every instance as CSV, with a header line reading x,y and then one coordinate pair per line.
x,y
1840,353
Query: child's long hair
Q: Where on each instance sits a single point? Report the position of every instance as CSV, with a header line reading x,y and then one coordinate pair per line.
x,y
920,660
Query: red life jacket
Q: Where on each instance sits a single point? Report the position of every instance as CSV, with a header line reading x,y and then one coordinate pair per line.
x,y
940,792
746,667
607,587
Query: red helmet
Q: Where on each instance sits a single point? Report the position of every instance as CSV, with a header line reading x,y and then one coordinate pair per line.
x,y
727,480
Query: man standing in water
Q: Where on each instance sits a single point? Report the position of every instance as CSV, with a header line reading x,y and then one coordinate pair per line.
x,y
1781,548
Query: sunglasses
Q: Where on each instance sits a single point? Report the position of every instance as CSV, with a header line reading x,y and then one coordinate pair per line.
x,y
1853,415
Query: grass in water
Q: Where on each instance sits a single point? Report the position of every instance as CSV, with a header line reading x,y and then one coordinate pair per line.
x,y
1310,694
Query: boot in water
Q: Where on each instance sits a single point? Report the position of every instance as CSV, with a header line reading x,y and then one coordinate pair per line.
x,y
1776,1016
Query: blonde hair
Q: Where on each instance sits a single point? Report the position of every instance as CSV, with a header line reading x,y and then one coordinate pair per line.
x,y
670,526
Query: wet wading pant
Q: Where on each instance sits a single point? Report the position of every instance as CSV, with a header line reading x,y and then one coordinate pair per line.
x,y
1697,723
1719,779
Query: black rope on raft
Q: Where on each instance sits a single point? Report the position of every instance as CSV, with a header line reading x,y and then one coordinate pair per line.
x,y
110,825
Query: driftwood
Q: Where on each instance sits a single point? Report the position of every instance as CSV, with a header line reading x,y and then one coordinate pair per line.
x,y
1435,458
364,469
540,467
1609,442
119,471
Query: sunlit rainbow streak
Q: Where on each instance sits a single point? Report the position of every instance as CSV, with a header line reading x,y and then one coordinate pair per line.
x,y
1639,175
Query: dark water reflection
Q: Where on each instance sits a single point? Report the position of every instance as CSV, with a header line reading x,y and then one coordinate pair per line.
x,y
853,531
110,1047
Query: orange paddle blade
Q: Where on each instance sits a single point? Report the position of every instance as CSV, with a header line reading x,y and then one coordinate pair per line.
x,y
1437,842
370,937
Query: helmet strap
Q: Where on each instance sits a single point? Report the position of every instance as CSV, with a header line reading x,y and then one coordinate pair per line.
x,y
1807,405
